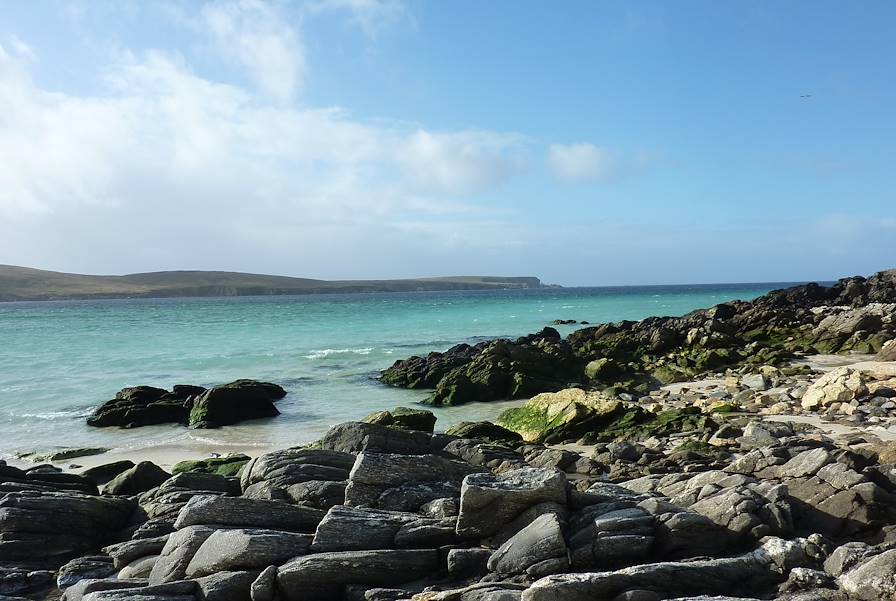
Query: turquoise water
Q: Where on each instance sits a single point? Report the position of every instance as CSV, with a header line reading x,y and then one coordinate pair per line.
x,y
58,360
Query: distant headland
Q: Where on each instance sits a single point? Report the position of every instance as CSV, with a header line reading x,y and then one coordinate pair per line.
x,y
27,284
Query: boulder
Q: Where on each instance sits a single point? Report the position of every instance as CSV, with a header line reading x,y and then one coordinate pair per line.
x,y
404,417
359,528
464,563
840,385
126,552
276,472
873,579
540,541
488,501
570,414
248,513
229,465
101,474
485,431
376,473
177,554
53,527
355,437
246,549
235,402
84,568
610,534
141,406
322,494
201,481
226,586
887,351
140,478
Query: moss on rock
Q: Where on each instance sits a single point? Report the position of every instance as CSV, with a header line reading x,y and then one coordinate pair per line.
x,y
222,466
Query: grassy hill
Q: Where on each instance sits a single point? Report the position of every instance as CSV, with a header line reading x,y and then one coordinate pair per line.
x,y
23,283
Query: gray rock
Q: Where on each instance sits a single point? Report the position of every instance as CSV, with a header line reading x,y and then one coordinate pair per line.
x,y
241,550
53,527
226,586
321,575
252,513
21,581
265,586
322,494
468,562
140,478
539,541
103,473
129,590
284,468
356,437
804,464
139,568
126,552
358,528
427,533
177,553
755,382
844,557
441,508
756,570
411,495
612,537
84,568
200,481
488,502
375,473
873,579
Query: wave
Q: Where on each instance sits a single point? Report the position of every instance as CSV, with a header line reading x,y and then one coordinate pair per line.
x,y
321,353
52,415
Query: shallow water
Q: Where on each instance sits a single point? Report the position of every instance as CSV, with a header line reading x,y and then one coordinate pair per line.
x,y
60,359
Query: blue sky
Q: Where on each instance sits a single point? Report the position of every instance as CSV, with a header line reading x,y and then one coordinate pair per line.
x,y
604,143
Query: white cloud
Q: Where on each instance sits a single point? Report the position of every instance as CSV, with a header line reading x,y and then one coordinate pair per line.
x,y
581,162
168,169
253,34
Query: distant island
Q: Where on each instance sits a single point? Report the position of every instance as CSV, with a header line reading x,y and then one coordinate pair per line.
x,y
27,284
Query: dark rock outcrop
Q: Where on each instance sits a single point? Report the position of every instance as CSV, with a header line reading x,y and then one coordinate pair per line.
x,y
193,405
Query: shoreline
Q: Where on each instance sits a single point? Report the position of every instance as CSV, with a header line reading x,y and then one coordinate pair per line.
x,y
167,454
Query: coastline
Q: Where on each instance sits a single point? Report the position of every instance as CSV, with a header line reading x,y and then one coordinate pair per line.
x,y
166,455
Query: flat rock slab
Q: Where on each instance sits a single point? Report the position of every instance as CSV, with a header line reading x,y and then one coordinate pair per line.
x,y
358,528
246,549
251,513
382,568
759,569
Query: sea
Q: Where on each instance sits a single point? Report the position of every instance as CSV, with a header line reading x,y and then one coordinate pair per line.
x,y
61,359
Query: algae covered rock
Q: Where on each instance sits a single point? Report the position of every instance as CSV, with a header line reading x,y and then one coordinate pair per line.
x,y
222,466
486,431
404,417
573,413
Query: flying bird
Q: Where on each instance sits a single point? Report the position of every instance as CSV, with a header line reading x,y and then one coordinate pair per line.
x,y
805,95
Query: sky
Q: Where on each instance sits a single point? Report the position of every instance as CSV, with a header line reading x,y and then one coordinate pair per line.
x,y
586,143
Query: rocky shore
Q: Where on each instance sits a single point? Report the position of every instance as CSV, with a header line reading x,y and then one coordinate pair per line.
x,y
854,315
738,453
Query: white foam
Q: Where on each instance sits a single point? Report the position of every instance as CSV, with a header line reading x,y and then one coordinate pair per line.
x,y
321,353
